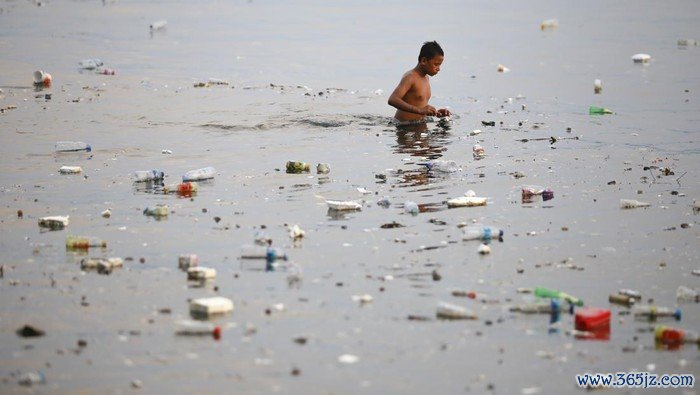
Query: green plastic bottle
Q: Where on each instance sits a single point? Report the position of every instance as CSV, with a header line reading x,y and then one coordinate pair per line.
x,y
593,110
554,294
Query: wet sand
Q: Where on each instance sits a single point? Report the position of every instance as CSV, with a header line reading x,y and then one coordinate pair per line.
x,y
309,82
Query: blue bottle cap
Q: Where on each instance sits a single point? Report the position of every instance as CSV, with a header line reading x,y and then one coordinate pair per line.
x,y
677,314
487,233
88,148
500,233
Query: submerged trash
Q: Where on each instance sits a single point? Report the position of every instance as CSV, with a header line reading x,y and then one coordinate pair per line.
x,y
30,331
593,110
631,203
148,175
296,167
549,24
641,58
597,87
204,173
348,359
217,81
197,328
54,222
653,313
484,249
384,202
157,25
686,294
70,170
70,146
90,64
28,379
42,79
478,151
295,232
102,265
81,242
502,69
451,311
186,261
159,210
343,205
442,166
200,273
210,306
323,168
687,42
410,207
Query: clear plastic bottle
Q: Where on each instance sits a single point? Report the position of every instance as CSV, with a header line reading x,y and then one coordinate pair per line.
x,y
90,64
476,232
69,146
249,251
83,242
148,175
441,166
451,311
686,294
204,173
652,313
675,336
197,328
553,307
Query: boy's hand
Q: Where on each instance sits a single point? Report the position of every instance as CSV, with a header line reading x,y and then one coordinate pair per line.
x,y
443,112
428,110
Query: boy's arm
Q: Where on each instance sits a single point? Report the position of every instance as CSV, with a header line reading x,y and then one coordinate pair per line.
x,y
396,99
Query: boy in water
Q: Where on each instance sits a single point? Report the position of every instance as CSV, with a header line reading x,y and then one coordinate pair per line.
x,y
412,94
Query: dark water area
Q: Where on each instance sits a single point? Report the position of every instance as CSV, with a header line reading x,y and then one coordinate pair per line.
x,y
309,81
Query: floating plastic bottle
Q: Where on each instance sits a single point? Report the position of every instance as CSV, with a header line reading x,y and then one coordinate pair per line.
x,y
90,64
249,251
687,42
631,293
451,311
529,191
182,189
54,222
484,233
631,203
157,25
338,205
652,313
593,110
686,294
199,174
622,299
70,170
147,175
159,210
467,201
83,242
295,167
441,166
70,146
197,328
549,24
554,294
675,336
553,307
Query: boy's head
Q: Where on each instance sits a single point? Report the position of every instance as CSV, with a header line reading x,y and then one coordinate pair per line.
x,y
429,50
430,57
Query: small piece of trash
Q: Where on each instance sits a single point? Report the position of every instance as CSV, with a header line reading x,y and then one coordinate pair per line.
x,y
348,359
166,152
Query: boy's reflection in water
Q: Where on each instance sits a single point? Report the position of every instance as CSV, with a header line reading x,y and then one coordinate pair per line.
x,y
416,139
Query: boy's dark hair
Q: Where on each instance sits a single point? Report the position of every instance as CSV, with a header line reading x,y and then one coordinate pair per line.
x,y
429,50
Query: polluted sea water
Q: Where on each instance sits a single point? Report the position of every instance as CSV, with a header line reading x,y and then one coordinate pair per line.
x,y
269,230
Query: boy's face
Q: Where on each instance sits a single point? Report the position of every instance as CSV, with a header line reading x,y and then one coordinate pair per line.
x,y
431,66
